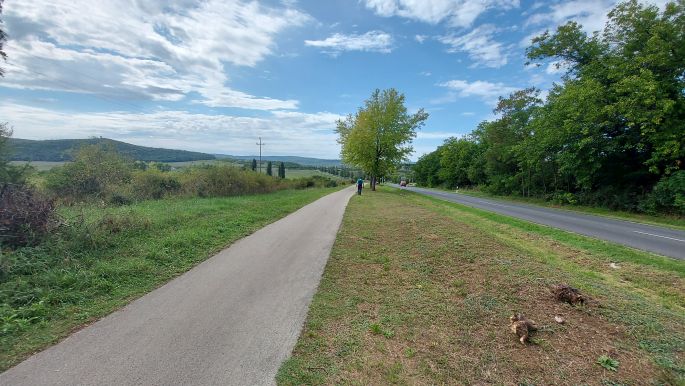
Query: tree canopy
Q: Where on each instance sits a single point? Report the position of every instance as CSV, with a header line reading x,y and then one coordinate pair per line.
x,y
378,137
611,133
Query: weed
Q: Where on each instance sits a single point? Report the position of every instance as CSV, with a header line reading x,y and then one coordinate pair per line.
x,y
608,362
409,352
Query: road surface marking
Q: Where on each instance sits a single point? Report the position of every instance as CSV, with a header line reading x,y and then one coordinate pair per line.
x,y
666,237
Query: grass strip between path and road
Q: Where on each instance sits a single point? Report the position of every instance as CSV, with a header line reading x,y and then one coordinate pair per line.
x,y
669,221
116,255
419,290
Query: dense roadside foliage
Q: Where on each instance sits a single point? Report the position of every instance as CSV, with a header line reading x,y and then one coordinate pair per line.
x,y
611,134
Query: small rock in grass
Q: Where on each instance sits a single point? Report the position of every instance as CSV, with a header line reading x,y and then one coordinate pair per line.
x,y
559,319
614,266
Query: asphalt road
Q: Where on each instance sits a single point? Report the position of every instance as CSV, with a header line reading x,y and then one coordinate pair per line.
x,y
660,240
231,320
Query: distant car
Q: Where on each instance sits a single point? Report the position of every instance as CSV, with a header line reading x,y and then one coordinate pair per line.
x,y
403,183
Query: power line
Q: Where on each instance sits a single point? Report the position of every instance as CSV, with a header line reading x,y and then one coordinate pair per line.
x,y
260,143
73,87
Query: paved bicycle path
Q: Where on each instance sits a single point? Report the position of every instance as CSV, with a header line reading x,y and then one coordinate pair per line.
x,y
231,320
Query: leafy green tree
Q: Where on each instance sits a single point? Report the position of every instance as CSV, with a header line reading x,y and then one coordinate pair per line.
x,y
456,157
378,137
610,133
427,169
281,170
254,165
269,170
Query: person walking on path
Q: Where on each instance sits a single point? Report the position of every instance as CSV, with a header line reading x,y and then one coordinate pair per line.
x,y
360,185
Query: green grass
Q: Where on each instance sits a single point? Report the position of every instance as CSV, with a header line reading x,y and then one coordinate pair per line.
x,y
104,258
662,220
418,291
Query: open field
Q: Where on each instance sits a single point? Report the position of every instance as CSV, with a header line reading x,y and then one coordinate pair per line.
x,y
299,173
39,165
420,293
105,257
184,164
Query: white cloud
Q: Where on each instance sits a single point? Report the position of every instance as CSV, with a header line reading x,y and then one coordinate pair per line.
x,y
486,91
435,134
591,14
480,45
425,73
285,132
420,38
372,41
160,50
457,13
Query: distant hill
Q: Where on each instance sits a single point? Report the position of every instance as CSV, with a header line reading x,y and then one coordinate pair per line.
x,y
305,161
61,149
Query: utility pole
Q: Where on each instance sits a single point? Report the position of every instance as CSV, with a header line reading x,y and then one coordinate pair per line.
x,y
260,143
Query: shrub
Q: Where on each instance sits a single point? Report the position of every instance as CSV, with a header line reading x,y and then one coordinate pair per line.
x,y
668,195
563,198
95,172
154,185
221,181
25,216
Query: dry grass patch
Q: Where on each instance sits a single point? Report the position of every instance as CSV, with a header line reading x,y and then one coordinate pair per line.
x,y
420,292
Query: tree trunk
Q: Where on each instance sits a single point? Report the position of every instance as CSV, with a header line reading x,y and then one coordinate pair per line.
x,y
373,183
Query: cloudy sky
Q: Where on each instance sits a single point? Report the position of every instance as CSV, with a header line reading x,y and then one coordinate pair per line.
x,y
213,75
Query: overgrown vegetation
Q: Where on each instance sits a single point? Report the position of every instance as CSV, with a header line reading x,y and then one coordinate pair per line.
x,y
101,258
434,308
610,134
100,173
82,239
25,215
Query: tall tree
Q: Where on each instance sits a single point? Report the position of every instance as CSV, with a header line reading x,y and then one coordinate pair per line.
x,y
254,165
269,169
281,170
378,137
3,39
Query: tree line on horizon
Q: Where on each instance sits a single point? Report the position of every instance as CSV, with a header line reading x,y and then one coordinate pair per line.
x,y
611,133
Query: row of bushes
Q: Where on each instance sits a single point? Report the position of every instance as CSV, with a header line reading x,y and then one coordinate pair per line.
x,y
101,175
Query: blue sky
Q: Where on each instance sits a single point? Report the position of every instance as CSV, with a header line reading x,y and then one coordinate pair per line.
x,y
213,75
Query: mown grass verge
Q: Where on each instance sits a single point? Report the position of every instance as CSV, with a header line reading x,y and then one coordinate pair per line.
x,y
106,257
419,291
